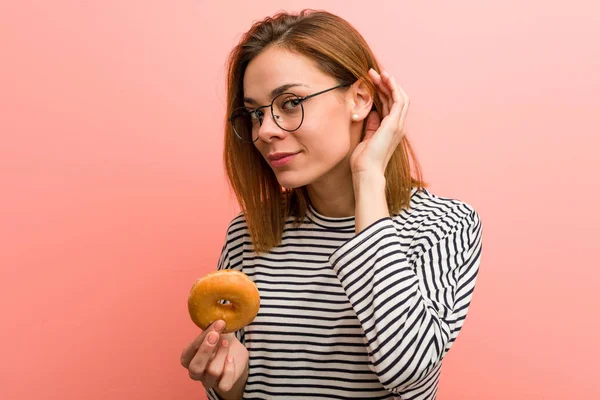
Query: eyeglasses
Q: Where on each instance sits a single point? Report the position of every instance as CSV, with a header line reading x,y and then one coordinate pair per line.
x,y
287,111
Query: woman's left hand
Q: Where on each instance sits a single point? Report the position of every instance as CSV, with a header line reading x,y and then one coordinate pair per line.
x,y
381,136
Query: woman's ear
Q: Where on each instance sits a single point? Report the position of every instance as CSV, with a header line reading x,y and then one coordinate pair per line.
x,y
362,101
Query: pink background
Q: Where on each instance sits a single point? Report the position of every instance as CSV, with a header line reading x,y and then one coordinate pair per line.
x,y
114,199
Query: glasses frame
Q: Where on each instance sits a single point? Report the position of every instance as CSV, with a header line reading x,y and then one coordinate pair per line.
x,y
300,99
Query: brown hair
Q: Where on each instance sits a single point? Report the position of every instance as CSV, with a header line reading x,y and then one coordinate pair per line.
x,y
341,52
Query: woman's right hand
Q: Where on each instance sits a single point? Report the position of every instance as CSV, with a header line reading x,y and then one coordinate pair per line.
x,y
217,360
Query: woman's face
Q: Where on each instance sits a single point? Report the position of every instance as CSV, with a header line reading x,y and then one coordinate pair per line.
x,y
321,147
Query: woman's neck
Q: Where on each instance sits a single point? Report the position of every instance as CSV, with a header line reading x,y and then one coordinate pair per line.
x,y
333,196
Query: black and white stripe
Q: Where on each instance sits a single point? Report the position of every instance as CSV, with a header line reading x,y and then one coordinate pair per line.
x,y
367,316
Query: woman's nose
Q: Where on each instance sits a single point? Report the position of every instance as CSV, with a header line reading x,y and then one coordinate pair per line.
x,y
269,129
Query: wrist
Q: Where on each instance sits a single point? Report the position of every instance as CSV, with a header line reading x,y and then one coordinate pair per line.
x,y
367,183
370,199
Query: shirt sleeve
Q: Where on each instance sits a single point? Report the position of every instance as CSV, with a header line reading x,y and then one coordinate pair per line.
x,y
411,311
230,258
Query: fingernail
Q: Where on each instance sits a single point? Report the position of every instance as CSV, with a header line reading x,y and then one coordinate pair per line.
x,y
219,325
213,338
230,358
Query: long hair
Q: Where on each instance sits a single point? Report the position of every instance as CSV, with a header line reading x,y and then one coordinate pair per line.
x,y
339,51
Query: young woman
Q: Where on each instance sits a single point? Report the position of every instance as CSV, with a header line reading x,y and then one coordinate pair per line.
x,y
365,277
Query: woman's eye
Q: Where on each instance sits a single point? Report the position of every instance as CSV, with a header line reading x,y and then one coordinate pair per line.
x,y
256,115
290,104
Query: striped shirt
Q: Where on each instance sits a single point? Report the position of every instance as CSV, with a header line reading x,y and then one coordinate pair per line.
x,y
364,316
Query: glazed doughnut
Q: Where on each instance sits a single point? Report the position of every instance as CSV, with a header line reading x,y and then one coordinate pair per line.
x,y
204,301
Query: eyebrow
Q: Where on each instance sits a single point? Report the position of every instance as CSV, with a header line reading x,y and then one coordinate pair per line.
x,y
275,92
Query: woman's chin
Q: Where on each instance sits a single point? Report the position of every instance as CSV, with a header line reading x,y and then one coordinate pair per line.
x,y
288,181
290,186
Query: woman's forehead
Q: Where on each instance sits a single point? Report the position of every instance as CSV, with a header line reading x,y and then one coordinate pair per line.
x,y
275,68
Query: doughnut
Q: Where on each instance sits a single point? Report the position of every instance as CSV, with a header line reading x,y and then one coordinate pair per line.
x,y
205,305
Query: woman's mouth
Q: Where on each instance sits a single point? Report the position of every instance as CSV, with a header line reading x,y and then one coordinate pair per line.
x,y
280,159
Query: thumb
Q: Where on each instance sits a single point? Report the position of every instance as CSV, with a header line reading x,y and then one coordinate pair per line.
x,y
372,124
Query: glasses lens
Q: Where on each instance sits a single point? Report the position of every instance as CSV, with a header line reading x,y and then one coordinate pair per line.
x,y
288,111
241,120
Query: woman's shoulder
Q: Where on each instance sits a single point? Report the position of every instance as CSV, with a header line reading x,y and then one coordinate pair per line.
x,y
237,226
431,209
237,230
433,221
